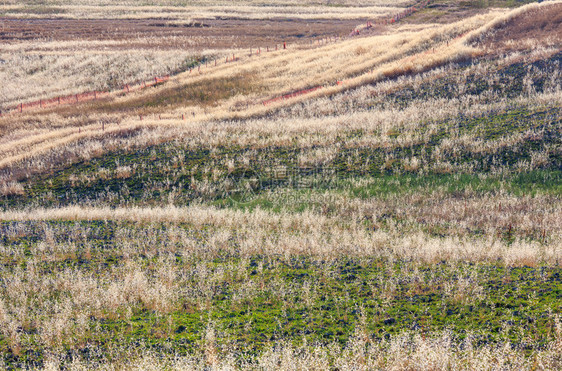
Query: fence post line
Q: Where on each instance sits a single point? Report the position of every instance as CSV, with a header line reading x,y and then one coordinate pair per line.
x,y
76,98
284,45
21,107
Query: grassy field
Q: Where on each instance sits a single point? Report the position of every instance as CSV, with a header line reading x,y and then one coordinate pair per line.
x,y
405,215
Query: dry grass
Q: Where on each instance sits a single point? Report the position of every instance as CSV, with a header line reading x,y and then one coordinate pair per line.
x,y
280,72
383,56
315,234
111,254
318,123
32,75
402,352
207,9
11,188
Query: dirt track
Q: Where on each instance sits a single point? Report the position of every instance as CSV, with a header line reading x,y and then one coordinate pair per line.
x,y
204,34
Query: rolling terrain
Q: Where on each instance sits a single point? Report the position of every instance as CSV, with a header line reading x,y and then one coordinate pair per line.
x,y
350,185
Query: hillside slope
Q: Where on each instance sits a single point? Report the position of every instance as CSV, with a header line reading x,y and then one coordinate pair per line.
x,y
404,214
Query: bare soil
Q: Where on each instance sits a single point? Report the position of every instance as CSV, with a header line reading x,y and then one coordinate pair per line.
x,y
202,34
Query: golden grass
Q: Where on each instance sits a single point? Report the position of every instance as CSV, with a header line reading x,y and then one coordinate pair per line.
x,y
312,233
396,53
40,70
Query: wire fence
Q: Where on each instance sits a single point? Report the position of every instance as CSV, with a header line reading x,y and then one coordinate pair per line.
x,y
128,88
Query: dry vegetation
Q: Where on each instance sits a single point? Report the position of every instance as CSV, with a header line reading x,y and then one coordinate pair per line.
x,y
182,11
326,236
407,217
280,72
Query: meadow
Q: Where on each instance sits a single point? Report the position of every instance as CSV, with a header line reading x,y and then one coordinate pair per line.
x,y
402,214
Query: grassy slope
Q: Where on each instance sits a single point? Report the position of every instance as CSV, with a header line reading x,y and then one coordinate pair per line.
x,y
253,301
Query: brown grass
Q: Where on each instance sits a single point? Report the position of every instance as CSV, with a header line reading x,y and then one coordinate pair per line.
x,y
344,234
196,35
11,188
542,25
231,94
207,92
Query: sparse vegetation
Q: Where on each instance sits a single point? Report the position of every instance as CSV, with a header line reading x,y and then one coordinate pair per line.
x,y
405,217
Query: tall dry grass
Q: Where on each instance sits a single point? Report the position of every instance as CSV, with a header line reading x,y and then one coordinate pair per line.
x,y
41,144
383,56
279,72
33,72
402,352
316,234
59,309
